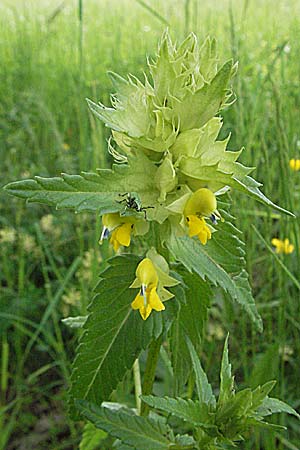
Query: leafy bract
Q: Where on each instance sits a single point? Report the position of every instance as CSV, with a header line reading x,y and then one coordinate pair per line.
x,y
221,261
196,108
114,334
138,432
205,161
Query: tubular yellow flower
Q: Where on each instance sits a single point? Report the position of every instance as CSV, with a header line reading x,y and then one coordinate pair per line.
x,y
295,164
283,246
121,236
147,298
202,203
198,227
120,229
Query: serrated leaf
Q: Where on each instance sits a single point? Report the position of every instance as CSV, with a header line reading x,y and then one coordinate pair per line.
x,y
191,411
227,380
204,389
221,261
260,393
139,432
114,334
92,191
191,320
91,437
274,405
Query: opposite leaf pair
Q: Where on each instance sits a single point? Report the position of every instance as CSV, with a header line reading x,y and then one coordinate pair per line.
x,y
211,422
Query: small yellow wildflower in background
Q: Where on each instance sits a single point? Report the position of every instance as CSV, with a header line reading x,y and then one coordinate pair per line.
x,y
286,352
85,272
7,235
48,226
295,164
71,298
29,244
282,246
65,146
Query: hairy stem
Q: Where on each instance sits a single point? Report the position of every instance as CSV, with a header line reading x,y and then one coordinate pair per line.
x,y
137,385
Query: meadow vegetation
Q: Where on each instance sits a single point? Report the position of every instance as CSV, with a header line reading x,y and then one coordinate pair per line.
x,y
53,56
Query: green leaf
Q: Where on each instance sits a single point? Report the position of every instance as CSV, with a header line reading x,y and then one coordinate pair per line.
x,y
91,437
92,191
139,432
221,261
260,393
274,405
114,334
204,390
227,380
191,320
195,413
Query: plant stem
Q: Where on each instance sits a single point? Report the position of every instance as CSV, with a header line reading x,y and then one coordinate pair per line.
x,y
137,385
149,376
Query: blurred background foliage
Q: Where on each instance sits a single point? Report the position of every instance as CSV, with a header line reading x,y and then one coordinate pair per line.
x,y
53,55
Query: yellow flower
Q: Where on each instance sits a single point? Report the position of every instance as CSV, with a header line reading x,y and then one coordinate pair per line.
x,y
202,203
7,235
65,146
147,298
120,228
282,246
121,236
295,164
198,227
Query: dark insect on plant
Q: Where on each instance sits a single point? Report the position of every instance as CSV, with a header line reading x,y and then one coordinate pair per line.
x,y
133,202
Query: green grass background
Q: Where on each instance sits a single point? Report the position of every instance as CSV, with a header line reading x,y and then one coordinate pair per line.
x,y
54,54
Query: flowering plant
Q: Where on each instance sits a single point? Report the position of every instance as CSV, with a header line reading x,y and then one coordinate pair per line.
x,y
169,190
